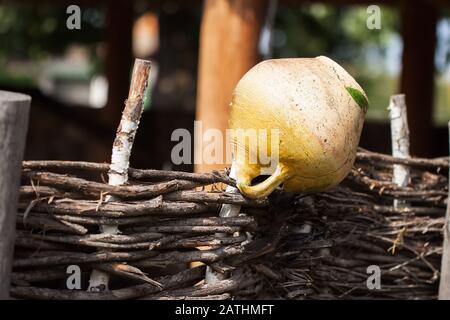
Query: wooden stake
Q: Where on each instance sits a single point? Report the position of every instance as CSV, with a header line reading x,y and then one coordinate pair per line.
x,y
226,211
400,140
418,70
14,110
444,285
120,159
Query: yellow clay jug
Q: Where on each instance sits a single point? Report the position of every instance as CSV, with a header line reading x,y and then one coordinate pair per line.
x,y
316,110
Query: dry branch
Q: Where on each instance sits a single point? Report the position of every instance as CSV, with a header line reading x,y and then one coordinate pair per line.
x,y
96,189
178,280
366,155
154,206
139,174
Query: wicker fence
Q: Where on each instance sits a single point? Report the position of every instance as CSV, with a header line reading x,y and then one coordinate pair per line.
x,y
314,246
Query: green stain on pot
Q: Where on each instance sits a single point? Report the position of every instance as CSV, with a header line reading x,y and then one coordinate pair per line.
x,y
359,98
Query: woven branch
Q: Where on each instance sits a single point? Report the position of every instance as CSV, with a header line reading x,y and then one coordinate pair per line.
x,y
304,246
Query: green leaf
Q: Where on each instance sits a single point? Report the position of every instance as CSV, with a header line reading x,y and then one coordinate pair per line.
x,y
359,98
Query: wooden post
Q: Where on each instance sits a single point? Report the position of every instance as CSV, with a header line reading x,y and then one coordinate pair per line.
x,y
417,78
400,140
118,59
14,110
229,38
444,285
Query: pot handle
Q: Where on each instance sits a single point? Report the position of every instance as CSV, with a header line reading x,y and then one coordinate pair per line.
x,y
264,188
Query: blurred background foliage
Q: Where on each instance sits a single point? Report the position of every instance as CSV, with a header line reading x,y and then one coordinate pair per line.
x,y
37,30
33,35
341,33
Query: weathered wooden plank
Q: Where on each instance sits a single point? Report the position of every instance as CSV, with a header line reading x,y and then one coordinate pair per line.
x,y
14,110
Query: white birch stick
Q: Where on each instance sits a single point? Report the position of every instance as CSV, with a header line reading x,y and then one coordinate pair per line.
x,y
227,210
121,152
400,141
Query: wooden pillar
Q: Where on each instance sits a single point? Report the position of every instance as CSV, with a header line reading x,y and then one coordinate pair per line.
x,y
417,78
117,61
14,110
444,283
229,39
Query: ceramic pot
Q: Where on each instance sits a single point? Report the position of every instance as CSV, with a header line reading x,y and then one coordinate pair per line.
x,y
317,110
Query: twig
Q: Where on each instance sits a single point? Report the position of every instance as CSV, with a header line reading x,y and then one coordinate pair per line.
x,y
167,283
207,178
95,189
400,140
155,206
365,155
227,210
120,158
